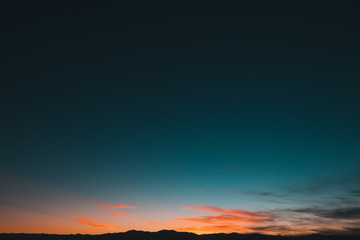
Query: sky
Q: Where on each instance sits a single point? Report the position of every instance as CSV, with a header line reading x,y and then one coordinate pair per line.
x,y
201,118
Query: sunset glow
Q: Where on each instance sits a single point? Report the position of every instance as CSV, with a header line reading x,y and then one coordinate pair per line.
x,y
211,118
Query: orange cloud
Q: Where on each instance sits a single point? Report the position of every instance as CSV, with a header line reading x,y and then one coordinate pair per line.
x,y
117,214
212,209
115,206
200,228
222,219
227,228
91,223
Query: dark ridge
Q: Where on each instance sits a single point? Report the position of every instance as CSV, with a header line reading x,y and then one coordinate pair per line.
x,y
170,235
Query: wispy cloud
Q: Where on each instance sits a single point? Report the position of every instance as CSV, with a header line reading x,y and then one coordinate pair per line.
x,y
326,205
223,220
336,213
112,210
227,228
118,214
307,208
355,192
251,193
91,223
217,210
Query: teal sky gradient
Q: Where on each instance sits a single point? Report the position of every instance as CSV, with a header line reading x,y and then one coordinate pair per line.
x,y
248,107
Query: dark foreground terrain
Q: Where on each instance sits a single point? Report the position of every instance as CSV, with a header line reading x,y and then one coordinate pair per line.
x,y
170,235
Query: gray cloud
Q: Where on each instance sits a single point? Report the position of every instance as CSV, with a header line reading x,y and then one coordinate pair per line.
x,y
252,192
337,213
353,230
325,205
355,192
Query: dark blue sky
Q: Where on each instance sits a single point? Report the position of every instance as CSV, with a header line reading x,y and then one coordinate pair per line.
x,y
250,106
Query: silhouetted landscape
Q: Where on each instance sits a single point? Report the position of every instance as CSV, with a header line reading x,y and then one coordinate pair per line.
x,y
172,235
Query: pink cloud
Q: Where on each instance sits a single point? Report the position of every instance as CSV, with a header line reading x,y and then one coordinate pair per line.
x,y
91,223
118,214
222,219
217,210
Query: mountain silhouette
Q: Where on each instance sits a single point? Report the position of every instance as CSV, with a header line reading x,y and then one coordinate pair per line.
x,y
170,235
